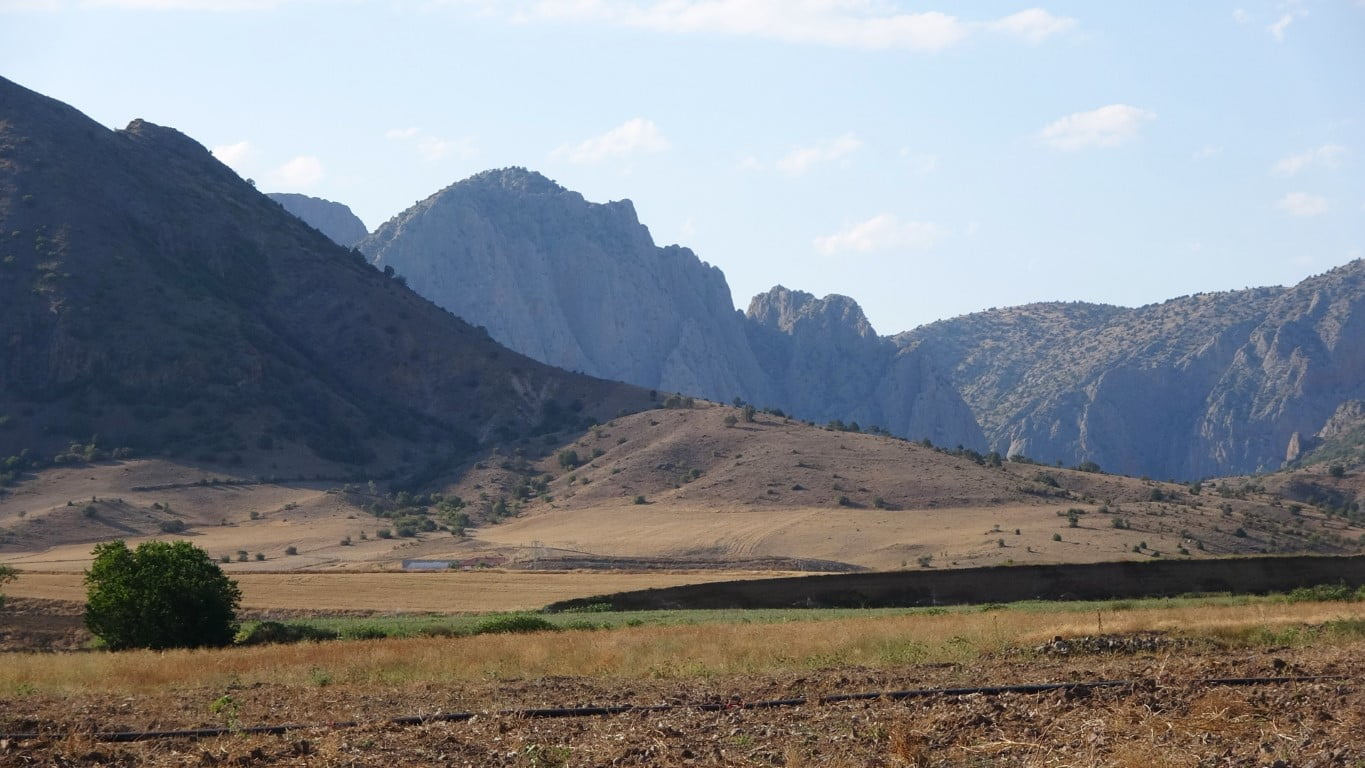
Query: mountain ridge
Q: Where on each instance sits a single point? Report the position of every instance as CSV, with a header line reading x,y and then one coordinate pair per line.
x,y
157,300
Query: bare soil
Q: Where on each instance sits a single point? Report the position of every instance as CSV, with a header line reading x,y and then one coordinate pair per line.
x,y
1168,718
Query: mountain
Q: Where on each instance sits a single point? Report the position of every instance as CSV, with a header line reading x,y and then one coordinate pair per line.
x,y
571,283
582,286
152,298
331,219
827,363
1203,385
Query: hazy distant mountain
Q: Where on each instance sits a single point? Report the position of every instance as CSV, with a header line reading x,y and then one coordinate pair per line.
x,y
331,219
1197,386
826,362
151,296
583,286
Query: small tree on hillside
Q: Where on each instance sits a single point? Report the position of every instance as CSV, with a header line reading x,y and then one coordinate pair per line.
x,y
7,575
161,595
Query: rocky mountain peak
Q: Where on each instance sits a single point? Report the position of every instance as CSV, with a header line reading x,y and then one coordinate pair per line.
x,y
786,310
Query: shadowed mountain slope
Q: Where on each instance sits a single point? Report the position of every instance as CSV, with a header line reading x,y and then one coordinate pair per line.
x,y
152,297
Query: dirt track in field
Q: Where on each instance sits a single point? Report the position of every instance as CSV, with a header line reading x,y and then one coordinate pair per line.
x,y
1168,719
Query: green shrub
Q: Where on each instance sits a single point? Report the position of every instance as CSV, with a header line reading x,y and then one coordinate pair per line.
x,y
1327,593
272,632
513,623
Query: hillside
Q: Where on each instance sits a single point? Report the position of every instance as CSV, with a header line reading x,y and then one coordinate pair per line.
x,y
1199,386
773,494
154,304
778,488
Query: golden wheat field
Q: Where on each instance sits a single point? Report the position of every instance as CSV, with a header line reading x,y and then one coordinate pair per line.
x,y
475,591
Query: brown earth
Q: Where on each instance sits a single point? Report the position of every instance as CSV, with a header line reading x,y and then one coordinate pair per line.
x,y
1167,719
732,496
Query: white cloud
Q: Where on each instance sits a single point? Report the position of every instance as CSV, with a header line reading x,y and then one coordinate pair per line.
x,y
880,233
1278,28
869,24
1207,151
401,134
636,136
234,155
301,172
800,160
1104,127
1240,16
1302,204
1033,25
433,148
750,163
1326,156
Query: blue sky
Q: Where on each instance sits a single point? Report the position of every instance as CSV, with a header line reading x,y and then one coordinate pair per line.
x,y
927,160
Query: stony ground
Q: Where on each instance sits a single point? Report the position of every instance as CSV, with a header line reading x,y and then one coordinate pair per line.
x,y
1168,718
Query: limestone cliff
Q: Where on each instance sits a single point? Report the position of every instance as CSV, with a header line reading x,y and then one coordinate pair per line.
x,y
331,219
578,285
1197,386
827,362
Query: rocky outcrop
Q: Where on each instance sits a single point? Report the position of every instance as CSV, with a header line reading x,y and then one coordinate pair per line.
x,y
582,286
574,284
827,363
1197,386
331,219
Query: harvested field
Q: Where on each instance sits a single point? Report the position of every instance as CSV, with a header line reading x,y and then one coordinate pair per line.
x,y
477,591
1167,719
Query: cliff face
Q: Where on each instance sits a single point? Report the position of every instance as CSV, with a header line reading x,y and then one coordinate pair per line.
x,y
151,296
571,283
583,286
1196,386
827,362
331,219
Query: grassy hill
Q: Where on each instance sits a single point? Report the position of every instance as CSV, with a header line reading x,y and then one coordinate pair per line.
x,y
685,487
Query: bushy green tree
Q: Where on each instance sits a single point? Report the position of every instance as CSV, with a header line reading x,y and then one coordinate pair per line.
x,y
160,595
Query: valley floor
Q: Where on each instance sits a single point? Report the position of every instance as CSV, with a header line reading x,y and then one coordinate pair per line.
x,y
1168,718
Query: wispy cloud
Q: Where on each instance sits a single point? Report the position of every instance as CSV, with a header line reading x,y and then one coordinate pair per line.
x,y
1207,151
880,233
433,148
870,24
1104,127
186,5
1326,156
802,159
1278,29
1302,204
234,156
633,137
1034,25
300,173
1240,16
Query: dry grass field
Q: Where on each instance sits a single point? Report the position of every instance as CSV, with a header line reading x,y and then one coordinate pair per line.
x,y
1168,718
711,494
477,591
